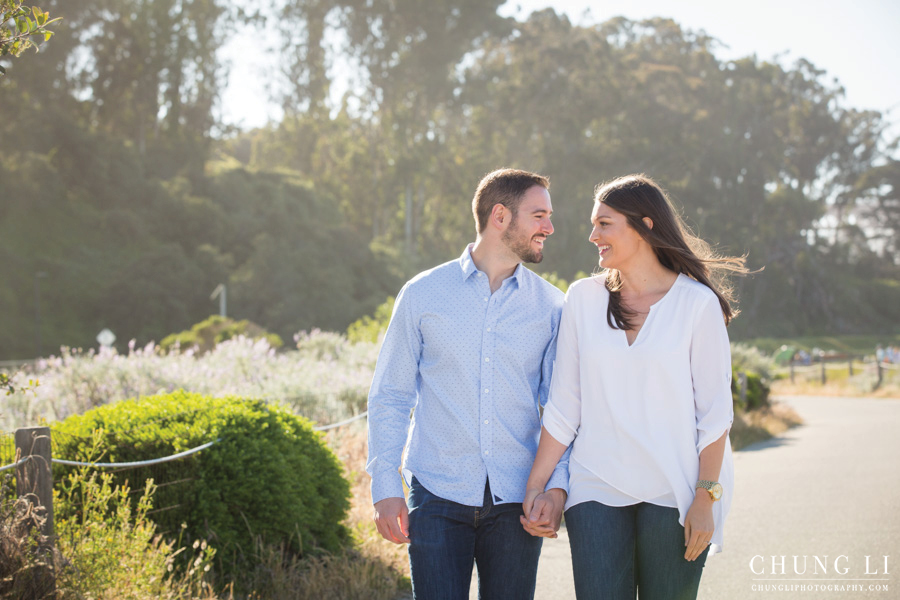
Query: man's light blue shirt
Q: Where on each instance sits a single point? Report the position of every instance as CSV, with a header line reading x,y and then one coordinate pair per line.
x,y
476,367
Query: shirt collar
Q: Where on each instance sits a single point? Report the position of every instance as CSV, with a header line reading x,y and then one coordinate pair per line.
x,y
468,266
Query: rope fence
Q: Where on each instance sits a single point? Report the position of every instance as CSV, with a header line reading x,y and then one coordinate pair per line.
x,y
4,436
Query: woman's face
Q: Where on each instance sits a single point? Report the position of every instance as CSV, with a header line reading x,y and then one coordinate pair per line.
x,y
615,239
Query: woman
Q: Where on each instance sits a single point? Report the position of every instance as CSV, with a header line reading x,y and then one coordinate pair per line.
x,y
642,384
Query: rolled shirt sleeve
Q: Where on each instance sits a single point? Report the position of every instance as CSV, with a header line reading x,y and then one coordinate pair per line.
x,y
711,374
560,476
391,398
562,413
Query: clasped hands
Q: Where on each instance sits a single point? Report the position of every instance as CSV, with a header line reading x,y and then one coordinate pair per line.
x,y
543,511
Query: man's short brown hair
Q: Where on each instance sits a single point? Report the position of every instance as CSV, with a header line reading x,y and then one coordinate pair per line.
x,y
506,187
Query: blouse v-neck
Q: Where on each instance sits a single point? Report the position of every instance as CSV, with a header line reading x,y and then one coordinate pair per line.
x,y
650,313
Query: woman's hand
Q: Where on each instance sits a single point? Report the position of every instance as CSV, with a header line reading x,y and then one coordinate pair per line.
x,y
698,525
543,511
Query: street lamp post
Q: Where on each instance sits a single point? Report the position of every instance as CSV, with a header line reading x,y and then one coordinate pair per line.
x,y
220,292
37,312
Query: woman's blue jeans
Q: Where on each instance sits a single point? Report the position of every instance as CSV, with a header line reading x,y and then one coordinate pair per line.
x,y
447,538
621,552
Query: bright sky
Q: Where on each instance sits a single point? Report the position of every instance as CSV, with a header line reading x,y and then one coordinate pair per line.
x,y
857,42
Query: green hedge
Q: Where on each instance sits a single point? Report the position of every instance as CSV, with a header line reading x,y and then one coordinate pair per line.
x,y
270,474
757,390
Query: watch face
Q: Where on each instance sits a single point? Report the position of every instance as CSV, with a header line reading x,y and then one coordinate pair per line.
x,y
717,491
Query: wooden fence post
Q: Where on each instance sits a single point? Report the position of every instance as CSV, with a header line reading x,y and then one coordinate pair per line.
x,y
742,378
792,370
823,371
35,476
850,364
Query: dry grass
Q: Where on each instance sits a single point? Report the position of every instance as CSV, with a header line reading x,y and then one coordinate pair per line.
x,y
834,387
27,559
761,424
350,446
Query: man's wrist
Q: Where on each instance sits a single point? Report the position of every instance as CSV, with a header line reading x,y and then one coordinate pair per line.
x,y
561,493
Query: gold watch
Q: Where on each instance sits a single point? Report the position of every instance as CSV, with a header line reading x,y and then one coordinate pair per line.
x,y
713,487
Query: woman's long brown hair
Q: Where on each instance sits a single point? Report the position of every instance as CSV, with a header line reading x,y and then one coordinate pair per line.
x,y
637,197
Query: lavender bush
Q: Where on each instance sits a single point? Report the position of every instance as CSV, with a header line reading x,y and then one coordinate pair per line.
x,y
325,378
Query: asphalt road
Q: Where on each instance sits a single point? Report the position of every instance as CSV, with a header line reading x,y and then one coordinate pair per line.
x,y
828,490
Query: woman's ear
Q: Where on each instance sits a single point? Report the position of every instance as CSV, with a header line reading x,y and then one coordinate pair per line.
x,y
648,222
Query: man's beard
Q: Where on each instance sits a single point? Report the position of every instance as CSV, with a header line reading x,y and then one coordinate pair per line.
x,y
520,245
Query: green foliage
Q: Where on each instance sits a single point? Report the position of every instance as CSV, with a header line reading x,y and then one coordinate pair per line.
x,y
750,358
757,389
207,334
561,283
18,24
104,544
12,385
269,475
371,328
112,547
123,187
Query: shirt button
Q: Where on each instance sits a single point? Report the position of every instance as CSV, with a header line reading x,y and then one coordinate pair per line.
x,y
480,274
489,328
486,452
485,299
486,390
486,421
487,360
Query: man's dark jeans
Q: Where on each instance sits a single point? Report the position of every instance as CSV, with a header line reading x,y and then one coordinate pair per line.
x,y
446,538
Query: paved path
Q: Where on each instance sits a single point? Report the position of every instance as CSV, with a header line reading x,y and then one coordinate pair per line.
x,y
828,488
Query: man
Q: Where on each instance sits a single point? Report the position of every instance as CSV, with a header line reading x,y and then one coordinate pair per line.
x,y
470,347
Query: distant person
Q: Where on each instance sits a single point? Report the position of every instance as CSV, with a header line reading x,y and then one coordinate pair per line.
x,y
470,348
642,384
880,354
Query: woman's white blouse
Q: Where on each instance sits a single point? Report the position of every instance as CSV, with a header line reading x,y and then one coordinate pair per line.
x,y
640,415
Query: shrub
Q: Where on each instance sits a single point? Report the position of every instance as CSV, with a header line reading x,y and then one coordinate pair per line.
x,y
111,548
208,334
369,329
269,475
757,389
749,358
317,388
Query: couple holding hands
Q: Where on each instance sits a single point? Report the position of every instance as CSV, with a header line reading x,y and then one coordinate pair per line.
x,y
632,368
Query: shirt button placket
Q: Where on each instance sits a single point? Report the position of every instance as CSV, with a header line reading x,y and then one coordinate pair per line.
x,y
487,370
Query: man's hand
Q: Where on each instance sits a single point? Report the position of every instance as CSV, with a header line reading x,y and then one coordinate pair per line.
x,y
392,520
543,512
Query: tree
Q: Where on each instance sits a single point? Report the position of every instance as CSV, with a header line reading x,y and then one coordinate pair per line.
x,y
18,25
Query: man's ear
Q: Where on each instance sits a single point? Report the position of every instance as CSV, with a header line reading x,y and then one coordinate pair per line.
x,y
648,222
500,216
